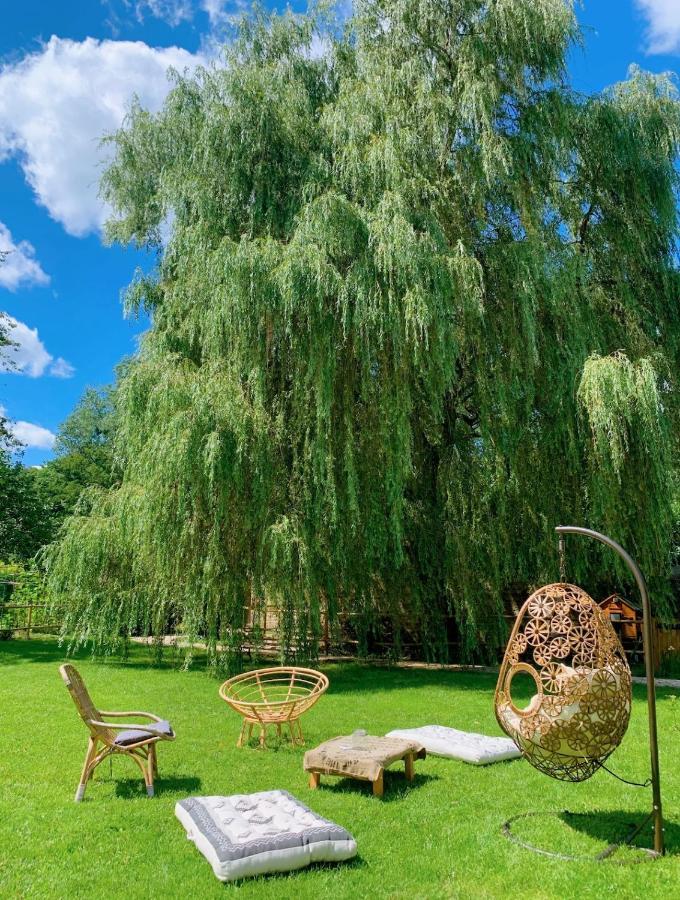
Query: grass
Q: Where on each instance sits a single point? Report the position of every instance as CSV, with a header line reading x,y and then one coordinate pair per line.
x,y
437,838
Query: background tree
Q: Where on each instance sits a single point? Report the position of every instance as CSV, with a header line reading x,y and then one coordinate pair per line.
x,y
6,440
34,501
5,340
83,455
22,516
418,306
24,521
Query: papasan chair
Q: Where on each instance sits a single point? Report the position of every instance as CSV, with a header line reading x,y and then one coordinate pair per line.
x,y
276,696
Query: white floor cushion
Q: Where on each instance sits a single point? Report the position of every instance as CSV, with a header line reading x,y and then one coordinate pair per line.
x,y
251,834
478,749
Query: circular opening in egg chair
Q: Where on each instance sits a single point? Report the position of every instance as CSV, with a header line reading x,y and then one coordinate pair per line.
x,y
525,675
581,704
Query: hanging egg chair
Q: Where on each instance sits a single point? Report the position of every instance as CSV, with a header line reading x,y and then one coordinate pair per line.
x,y
580,711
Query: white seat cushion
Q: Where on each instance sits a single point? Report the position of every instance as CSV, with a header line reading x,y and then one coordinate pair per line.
x,y
478,749
252,834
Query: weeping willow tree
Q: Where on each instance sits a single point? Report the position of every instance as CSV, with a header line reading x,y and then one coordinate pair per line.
x,y
418,305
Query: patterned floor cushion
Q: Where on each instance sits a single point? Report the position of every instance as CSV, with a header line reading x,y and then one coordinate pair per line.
x,y
252,834
478,749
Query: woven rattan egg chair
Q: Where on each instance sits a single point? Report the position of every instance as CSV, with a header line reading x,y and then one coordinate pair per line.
x,y
580,711
276,696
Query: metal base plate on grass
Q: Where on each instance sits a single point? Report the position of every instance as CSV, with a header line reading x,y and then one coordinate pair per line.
x,y
645,853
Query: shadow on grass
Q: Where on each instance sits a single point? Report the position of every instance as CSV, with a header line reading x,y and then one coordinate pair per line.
x,y
358,677
275,745
134,787
46,650
396,787
38,650
613,826
357,862
347,677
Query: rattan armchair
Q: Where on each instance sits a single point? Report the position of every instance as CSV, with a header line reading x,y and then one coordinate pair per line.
x,y
132,739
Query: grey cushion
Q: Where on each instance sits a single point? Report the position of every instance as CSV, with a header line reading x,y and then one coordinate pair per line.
x,y
251,834
123,738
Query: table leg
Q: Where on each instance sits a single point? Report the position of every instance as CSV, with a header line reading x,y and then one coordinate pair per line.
x,y
408,763
378,785
314,780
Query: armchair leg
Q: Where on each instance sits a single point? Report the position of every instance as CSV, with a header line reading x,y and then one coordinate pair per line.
x,y
146,767
150,769
88,768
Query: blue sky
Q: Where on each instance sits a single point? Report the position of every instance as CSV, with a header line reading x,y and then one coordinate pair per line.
x,y
67,72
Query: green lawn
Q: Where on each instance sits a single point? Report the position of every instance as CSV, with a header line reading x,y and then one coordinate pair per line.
x,y
439,837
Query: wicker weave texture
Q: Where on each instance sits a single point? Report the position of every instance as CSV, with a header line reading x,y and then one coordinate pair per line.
x,y
580,711
276,696
102,742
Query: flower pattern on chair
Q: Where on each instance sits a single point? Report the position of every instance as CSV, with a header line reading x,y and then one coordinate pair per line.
x,y
581,708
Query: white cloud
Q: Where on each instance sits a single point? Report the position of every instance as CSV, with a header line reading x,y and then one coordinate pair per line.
x,y
30,435
19,265
663,25
319,47
56,104
61,368
28,355
214,9
174,12
221,12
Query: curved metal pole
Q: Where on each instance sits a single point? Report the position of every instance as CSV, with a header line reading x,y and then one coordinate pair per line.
x,y
648,649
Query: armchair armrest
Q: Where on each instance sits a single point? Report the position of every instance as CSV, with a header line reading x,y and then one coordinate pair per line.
x,y
120,715
129,726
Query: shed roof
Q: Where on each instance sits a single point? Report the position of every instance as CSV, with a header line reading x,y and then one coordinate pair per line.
x,y
619,598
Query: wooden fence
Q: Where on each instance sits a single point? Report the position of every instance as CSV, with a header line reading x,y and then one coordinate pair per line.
x,y
31,619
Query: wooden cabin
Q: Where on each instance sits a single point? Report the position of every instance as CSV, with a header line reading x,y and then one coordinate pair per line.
x,y
626,617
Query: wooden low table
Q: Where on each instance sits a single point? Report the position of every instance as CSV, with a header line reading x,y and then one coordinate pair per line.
x,y
363,757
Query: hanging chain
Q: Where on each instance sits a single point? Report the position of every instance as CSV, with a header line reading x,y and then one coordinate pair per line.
x,y
563,564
